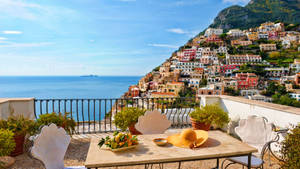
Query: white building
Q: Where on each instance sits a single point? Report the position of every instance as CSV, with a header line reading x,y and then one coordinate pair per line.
x,y
247,93
295,95
213,31
243,59
296,66
276,72
209,59
263,35
201,51
259,97
221,49
194,82
213,79
188,67
235,33
285,42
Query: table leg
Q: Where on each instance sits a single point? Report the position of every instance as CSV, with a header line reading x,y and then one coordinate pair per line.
x,y
218,164
179,164
249,160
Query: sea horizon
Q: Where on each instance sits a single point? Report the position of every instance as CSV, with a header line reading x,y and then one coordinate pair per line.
x,y
62,87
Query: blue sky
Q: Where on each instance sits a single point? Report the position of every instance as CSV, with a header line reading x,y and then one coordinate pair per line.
x,y
103,37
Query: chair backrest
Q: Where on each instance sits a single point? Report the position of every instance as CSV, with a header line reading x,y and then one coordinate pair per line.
x,y
50,146
153,122
255,131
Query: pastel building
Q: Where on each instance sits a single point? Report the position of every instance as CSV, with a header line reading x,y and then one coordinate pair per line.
x,y
212,89
240,42
228,69
214,39
188,67
243,59
213,31
134,91
267,47
246,81
295,94
276,72
235,33
188,54
296,65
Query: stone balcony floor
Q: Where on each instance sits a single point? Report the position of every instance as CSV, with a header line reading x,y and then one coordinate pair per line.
x,y
78,148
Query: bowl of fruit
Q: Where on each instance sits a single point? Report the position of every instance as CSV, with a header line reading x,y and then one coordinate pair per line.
x,y
119,142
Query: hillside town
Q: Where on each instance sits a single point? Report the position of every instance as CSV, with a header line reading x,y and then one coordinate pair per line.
x,y
261,63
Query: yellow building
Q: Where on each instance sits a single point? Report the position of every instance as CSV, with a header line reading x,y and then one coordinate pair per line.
x,y
253,36
173,87
162,95
267,47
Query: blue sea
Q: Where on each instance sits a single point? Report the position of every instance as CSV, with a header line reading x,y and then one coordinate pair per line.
x,y
69,87
62,87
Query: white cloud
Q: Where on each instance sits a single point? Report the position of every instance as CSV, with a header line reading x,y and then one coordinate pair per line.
x,y
12,32
2,38
45,15
24,8
163,45
20,45
177,30
237,1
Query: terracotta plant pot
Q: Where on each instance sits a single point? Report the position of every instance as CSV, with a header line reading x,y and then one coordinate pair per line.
x,y
7,161
199,126
133,130
19,140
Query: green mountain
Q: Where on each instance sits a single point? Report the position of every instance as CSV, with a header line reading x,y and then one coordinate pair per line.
x,y
257,12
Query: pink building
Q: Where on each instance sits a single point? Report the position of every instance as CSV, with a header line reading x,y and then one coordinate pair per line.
x,y
273,35
246,81
188,55
228,69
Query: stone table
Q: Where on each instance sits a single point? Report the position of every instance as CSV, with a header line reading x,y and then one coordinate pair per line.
x,y
218,145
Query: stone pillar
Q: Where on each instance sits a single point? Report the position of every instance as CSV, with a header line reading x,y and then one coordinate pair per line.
x,y
209,100
17,106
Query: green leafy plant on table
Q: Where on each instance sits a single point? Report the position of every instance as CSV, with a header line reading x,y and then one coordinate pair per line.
x,y
291,149
204,116
60,120
120,140
128,117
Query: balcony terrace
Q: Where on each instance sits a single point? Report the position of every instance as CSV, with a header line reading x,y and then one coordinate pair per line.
x,y
85,112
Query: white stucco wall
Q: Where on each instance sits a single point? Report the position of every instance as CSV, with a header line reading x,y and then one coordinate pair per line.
x,y
282,116
20,106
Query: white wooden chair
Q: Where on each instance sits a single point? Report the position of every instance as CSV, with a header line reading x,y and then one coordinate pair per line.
x,y
257,132
153,122
50,147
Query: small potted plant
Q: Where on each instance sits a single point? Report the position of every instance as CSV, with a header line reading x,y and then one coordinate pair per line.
x,y
60,120
20,126
127,118
202,118
291,149
7,146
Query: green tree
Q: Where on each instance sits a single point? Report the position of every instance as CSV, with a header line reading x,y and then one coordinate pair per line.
x,y
203,82
274,55
231,91
223,36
